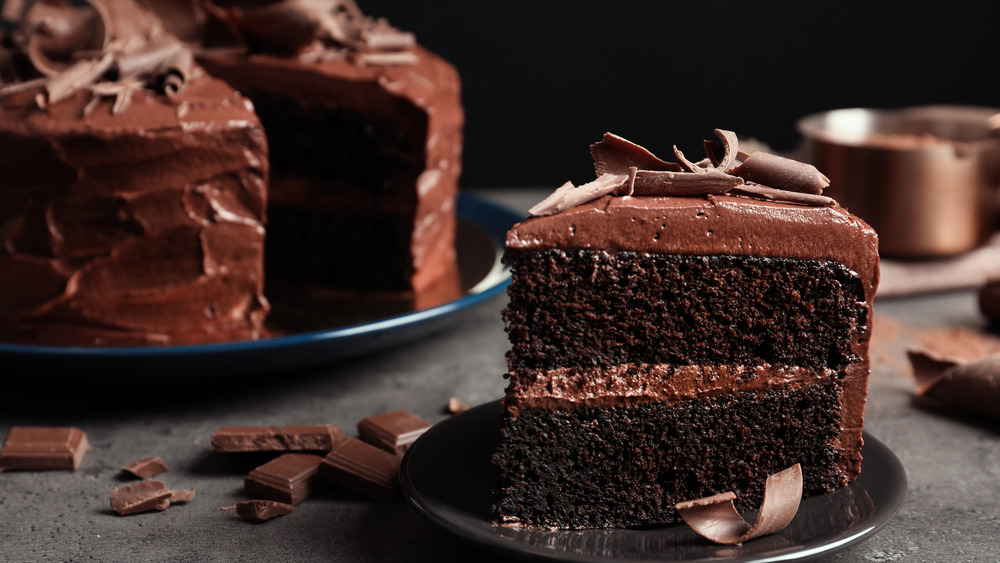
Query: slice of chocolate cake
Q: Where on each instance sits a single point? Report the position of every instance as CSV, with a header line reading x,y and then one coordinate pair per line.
x,y
365,131
679,330
133,195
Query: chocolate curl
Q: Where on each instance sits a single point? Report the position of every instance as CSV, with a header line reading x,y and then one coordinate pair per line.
x,y
165,60
687,164
716,518
56,31
11,10
569,196
708,181
772,194
284,27
399,58
966,386
782,173
74,78
614,155
384,37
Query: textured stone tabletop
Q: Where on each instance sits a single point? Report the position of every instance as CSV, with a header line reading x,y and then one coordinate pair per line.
x,y
951,512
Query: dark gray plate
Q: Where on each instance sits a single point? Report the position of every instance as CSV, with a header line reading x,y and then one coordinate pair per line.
x,y
447,476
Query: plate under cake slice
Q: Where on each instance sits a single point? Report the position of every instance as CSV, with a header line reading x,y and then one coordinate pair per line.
x,y
679,330
133,198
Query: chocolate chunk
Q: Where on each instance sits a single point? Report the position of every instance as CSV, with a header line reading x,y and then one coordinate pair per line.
x,y
140,497
455,405
184,495
146,467
970,386
260,510
716,518
289,478
363,467
392,431
317,437
43,447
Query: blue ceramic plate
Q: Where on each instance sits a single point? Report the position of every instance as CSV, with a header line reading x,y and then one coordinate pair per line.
x,y
482,228
447,476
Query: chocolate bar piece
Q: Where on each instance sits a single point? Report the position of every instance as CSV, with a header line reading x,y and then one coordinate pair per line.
x,y
140,497
147,467
969,386
316,437
43,447
289,478
260,510
363,467
392,431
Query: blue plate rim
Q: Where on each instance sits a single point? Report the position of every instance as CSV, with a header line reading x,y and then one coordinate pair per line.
x,y
493,218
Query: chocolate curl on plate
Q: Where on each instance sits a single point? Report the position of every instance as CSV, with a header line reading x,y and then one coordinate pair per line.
x,y
716,518
569,196
782,173
614,155
772,194
960,385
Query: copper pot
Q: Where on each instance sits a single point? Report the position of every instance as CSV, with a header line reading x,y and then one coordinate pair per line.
x,y
925,178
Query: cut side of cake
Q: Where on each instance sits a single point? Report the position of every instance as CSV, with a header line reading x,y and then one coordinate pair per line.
x,y
679,330
365,130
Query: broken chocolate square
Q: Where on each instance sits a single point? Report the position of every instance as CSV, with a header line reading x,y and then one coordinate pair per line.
x,y
146,467
43,447
288,478
363,467
260,510
316,437
140,497
392,431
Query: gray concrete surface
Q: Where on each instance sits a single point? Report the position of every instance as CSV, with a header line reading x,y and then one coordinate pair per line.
x,y
951,513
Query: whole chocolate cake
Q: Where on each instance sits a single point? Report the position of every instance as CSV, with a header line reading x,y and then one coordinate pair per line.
x,y
134,189
679,330
365,132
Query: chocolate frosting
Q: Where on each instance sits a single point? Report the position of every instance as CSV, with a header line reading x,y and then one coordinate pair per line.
x,y
134,218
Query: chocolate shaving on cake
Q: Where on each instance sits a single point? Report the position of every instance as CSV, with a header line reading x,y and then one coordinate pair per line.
x,y
968,386
716,518
316,31
72,49
627,169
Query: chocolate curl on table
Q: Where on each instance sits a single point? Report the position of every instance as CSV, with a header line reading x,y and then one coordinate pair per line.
x,y
716,518
970,387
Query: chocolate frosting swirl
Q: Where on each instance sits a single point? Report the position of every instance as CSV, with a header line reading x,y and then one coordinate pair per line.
x,y
627,169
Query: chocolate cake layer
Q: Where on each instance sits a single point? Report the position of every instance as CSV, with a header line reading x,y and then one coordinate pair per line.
x,y
592,308
628,466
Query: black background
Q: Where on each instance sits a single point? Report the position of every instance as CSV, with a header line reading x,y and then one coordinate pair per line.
x,y
543,80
